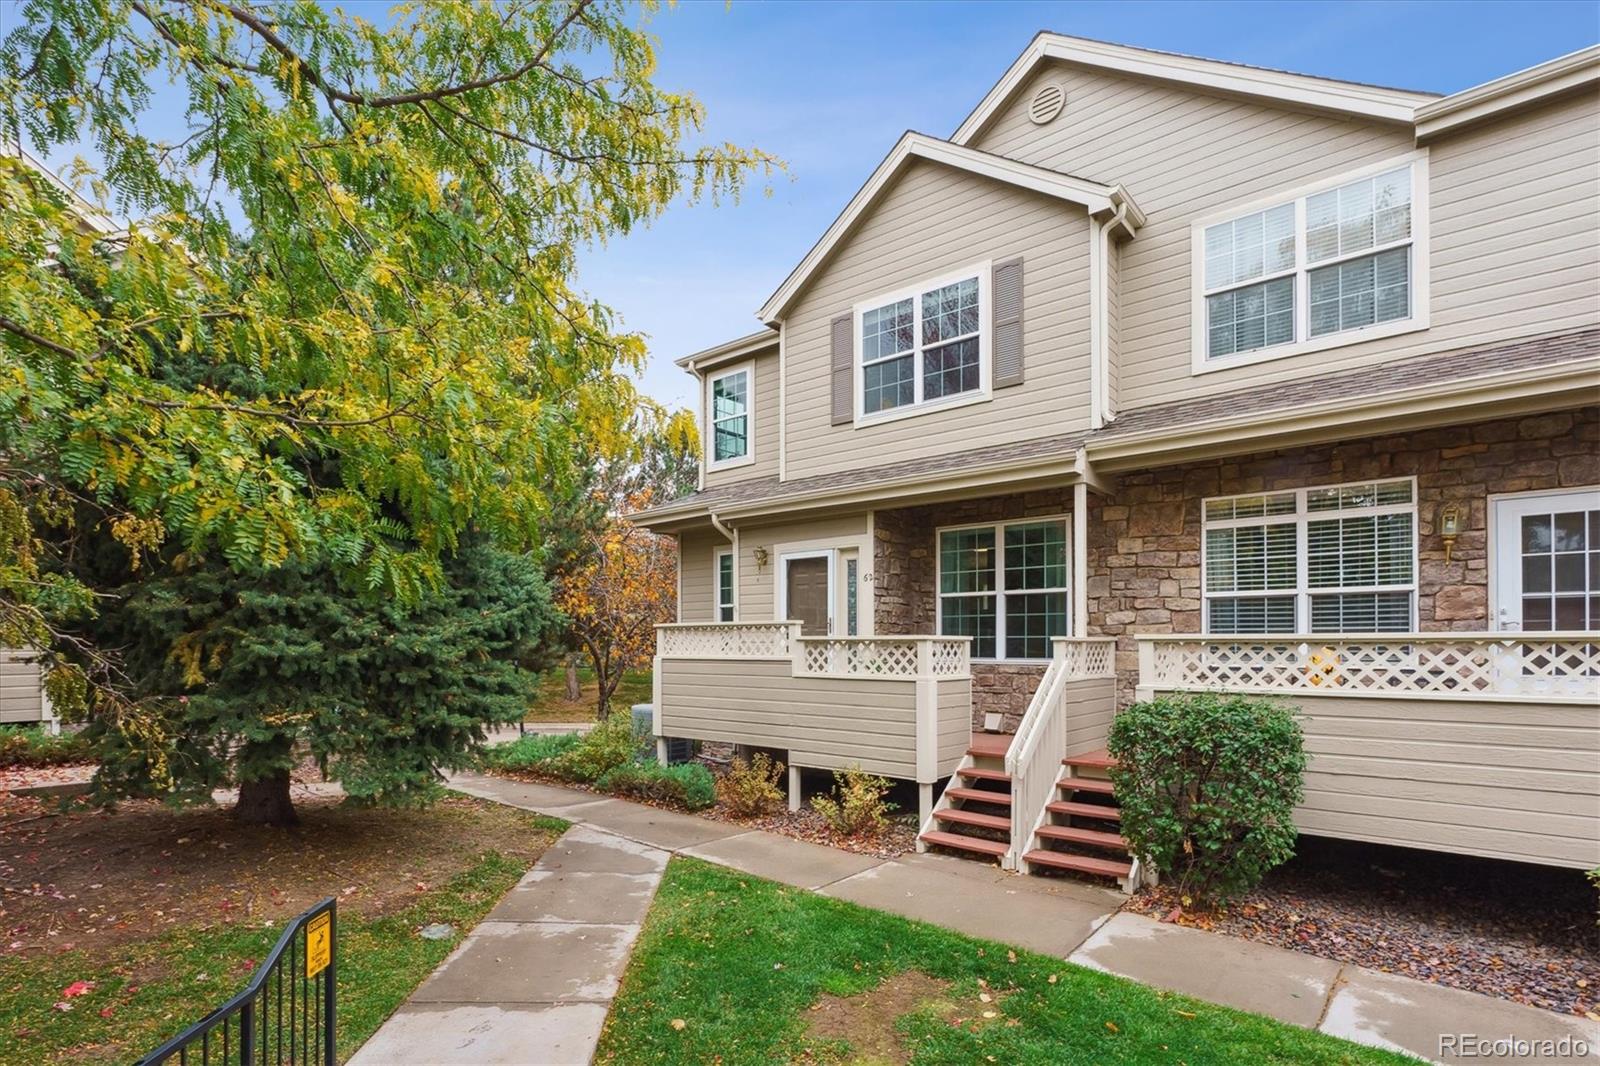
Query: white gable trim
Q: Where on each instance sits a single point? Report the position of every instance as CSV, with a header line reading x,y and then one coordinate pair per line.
x,y
1564,74
1091,195
1302,90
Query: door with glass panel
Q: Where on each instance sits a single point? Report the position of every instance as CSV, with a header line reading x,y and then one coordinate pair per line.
x,y
1547,562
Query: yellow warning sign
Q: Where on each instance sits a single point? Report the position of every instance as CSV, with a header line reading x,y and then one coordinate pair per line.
x,y
319,943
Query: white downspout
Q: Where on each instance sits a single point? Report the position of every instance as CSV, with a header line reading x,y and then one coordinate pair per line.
x,y
733,540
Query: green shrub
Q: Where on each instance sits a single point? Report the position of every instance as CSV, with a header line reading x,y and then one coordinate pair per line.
x,y
751,788
689,785
607,746
1208,784
530,752
861,807
31,746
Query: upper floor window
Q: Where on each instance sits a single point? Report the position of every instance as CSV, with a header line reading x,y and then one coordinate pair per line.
x,y
1339,262
1337,559
730,416
923,346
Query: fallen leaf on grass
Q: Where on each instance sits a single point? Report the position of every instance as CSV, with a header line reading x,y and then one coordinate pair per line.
x,y
1113,1027
678,1024
1184,1013
77,988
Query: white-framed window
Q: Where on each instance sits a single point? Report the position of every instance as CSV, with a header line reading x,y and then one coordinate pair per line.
x,y
1331,559
1341,261
923,347
730,416
725,586
1005,585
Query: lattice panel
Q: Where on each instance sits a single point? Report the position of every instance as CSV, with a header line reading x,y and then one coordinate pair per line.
x,y
1095,657
950,658
1410,664
728,640
860,658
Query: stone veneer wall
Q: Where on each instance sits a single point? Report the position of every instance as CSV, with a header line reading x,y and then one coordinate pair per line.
x,y
904,597
1144,542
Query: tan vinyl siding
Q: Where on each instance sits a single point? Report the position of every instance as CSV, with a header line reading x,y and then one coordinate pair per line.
x,y
955,722
1515,214
825,722
932,221
1091,704
697,575
758,585
764,413
1477,777
21,694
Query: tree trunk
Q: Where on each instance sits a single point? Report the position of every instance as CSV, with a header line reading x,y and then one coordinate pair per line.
x,y
265,801
574,691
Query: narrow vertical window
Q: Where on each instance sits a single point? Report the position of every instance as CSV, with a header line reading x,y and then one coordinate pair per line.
x,y
724,586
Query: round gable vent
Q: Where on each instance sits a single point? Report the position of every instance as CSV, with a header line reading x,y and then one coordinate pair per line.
x,y
1046,104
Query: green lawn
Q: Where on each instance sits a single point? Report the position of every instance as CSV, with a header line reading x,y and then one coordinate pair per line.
x,y
550,704
152,989
729,968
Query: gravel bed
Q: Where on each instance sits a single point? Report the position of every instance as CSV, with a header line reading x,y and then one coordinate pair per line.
x,y
1515,931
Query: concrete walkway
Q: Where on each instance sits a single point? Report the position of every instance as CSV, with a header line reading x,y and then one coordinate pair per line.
x,y
1056,917
534,981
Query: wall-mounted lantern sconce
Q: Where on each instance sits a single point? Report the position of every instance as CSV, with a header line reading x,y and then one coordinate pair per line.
x,y
761,558
1449,527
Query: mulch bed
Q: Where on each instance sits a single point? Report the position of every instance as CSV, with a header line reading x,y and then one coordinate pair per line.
x,y
804,824
1518,932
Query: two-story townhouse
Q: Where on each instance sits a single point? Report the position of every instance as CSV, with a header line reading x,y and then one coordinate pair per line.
x,y
1167,373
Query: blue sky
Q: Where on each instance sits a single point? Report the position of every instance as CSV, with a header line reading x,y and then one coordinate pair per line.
x,y
829,87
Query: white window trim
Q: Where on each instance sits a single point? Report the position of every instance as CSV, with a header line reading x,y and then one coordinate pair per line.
x,y
919,406
747,368
717,605
999,592
1299,517
1305,344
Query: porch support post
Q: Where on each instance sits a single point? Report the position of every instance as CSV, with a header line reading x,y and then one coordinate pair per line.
x,y
655,707
794,787
1080,560
924,811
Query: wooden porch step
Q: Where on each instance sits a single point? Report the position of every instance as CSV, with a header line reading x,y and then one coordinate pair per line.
x,y
1097,785
1062,860
978,773
1092,837
1084,810
979,795
982,821
965,843
1091,760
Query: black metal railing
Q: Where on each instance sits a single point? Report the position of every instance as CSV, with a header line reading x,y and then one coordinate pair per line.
x,y
284,1015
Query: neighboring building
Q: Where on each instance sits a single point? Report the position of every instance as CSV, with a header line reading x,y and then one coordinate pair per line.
x,y
1166,373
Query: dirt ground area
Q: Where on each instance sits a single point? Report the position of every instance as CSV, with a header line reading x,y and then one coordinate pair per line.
x,y
867,1022
93,879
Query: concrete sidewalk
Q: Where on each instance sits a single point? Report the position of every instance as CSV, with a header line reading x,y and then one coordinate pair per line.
x,y
534,981
1056,917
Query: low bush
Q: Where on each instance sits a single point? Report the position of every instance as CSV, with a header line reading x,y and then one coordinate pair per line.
x,y
607,746
859,806
688,785
749,788
530,752
1208,783
31,746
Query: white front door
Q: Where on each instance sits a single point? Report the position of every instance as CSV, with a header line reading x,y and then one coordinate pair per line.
x,y
1546,561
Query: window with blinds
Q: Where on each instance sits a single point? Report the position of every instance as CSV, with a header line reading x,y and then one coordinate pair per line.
x,y
1336,559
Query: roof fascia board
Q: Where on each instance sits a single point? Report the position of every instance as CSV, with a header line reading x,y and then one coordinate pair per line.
x,y
1243,433
1303,90
1062,470
1092,196
1492,99
719,353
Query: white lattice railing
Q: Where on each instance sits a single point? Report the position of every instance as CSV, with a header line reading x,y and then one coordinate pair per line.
x,y
1087,656
727,640
1563,666
903,657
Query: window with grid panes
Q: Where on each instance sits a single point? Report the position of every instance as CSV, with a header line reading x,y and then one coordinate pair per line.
x,y
1006,586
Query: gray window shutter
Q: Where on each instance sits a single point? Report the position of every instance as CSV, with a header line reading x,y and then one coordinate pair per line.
x,y
844,357
1007,289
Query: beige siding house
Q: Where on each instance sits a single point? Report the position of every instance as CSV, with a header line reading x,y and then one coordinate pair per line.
x,y
1163,374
